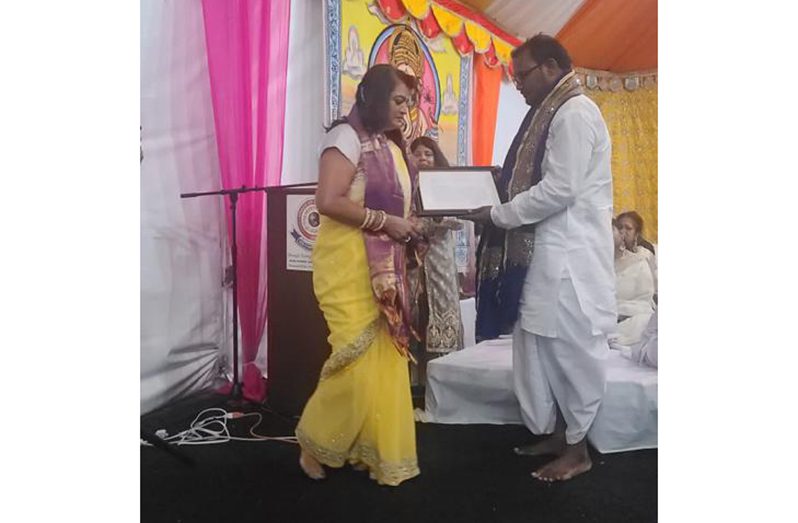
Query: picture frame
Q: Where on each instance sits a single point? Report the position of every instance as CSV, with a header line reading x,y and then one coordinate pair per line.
x,y
455,191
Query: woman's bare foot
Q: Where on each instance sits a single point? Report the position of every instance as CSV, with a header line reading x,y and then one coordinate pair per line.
x,y
552,445
310,466
573,461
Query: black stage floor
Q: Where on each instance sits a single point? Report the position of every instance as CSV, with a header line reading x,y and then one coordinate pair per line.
x,y
468,473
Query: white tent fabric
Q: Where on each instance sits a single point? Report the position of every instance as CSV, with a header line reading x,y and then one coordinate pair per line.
x,y
182,303
529,17
304,95
475,385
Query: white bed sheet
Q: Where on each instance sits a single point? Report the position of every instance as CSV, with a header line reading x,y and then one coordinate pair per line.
x,y
475,386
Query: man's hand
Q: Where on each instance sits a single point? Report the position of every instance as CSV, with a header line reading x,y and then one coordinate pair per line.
x,y
481,215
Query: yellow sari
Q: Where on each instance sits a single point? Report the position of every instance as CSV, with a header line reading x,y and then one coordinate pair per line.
x,y
361,411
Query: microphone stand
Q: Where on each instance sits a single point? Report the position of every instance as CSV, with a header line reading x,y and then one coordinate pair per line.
x,y
236,391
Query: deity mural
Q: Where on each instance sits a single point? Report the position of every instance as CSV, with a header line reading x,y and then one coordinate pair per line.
x,y
357,36
401,47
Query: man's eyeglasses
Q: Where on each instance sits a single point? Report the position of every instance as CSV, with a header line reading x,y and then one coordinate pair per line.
x,y
518,79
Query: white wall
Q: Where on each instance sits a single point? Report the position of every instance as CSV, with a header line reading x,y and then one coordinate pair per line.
x,y
511,111
182,320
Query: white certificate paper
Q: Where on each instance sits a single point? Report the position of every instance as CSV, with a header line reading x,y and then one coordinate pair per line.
x,y
456,191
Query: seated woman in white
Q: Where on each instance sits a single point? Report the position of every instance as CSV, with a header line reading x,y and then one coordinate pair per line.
x,y
634,287
630,224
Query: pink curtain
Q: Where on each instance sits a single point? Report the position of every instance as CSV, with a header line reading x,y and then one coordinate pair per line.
x,y
247,47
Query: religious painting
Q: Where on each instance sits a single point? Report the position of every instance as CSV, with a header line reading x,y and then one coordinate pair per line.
x,y
359,36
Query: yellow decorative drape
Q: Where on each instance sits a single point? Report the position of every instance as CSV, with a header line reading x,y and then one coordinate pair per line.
x,y
503,50
478,36
418,8
453,17
631,117
449,23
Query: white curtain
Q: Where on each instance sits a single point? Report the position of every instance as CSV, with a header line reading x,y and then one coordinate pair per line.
x,y
182,241
304,110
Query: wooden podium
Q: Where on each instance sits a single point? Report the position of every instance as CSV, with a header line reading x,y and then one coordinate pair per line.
x,y
296,331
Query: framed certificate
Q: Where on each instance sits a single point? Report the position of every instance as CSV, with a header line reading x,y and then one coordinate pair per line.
x,y
455,191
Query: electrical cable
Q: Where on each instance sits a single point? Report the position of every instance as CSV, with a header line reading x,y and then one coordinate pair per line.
x,y
213,429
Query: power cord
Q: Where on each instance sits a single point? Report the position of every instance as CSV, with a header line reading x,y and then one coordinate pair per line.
x,y
213,429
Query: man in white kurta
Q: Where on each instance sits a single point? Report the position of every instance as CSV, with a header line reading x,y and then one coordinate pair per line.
x,y
568,304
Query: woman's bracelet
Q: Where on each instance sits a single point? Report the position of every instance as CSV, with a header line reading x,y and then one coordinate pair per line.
x,y
383,219
374,220
366,218
370,219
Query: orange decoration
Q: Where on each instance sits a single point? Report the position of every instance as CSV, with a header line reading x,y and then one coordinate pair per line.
x,y
613,35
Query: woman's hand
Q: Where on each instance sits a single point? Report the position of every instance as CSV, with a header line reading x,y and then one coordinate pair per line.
x,y
400,229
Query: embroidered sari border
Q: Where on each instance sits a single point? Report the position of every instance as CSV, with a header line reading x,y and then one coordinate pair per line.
x,y
341,359
385,473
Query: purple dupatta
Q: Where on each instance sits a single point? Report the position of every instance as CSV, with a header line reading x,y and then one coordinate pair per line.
x,y
387,258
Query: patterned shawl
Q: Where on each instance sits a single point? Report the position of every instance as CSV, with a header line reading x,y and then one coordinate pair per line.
x,y
387,258
503,256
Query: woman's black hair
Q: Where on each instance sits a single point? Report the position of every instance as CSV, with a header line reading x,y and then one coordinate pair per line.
x,y
373,96
429,143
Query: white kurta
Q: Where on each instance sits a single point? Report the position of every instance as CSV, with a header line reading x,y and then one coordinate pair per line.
x,y
572,206
568,301
651,259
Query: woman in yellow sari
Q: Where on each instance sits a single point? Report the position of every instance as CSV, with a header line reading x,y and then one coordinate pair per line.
x,y
361,411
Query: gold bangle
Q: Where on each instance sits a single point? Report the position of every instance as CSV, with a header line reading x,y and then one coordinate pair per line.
x,y
373,217
366,218
383,219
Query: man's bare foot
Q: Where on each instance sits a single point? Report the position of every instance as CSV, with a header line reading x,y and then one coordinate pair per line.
x,y
574,460
553,445
310,466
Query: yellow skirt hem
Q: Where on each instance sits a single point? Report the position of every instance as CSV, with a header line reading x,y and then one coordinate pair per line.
x,y
383,472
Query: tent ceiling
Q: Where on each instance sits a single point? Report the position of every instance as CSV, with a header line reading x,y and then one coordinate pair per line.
x,y
611,35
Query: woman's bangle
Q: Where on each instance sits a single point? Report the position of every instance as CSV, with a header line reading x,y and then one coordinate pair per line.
x,y
383,219
367,218
374,220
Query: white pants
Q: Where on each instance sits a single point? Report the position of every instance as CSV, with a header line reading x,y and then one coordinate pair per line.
x,y
566,371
